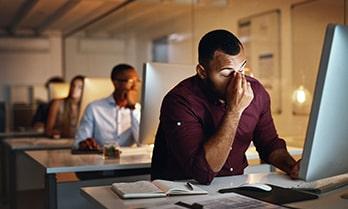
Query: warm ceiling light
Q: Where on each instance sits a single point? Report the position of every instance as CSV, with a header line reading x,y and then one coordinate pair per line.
x,y
301,100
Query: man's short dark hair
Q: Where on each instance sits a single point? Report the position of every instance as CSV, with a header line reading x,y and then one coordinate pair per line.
x,y
54,79
217,40
118,69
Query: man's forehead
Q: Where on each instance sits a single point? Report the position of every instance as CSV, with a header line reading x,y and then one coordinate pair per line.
x,y
221,54
222,58
129,72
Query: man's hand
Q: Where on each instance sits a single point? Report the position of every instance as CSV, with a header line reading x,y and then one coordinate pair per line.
x,y
239,93
293,173
281,159
238,96
88,144
132,96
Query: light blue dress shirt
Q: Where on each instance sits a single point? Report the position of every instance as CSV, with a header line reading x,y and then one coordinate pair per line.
x,y
107,122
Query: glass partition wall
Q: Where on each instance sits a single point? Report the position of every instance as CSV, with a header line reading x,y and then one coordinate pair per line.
x,y
283,41
308,24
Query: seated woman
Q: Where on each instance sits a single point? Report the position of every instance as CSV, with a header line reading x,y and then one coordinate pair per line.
x,y
64,113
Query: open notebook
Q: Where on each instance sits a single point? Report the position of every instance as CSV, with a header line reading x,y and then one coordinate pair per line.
x,y
156,188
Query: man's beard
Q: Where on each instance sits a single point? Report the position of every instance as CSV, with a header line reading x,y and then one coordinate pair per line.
x,y
213,90
121,95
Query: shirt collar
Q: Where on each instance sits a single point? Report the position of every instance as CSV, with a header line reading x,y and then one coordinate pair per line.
x,y
110,99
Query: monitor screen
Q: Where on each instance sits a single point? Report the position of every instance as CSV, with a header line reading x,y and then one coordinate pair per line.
x,y
158,79
58,90
326,144
94,89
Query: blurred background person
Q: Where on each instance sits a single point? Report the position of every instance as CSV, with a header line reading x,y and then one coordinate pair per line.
x,y
40,117
114,119
64,113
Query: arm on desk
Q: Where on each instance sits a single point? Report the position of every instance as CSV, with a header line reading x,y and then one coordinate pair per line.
x,y
285,162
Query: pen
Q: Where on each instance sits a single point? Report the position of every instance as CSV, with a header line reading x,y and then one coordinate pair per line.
x,y
189,185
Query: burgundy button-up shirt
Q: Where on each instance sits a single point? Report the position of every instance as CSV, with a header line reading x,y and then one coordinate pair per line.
x,y
190,115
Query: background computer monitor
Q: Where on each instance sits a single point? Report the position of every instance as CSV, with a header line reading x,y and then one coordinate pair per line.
x,y
94,89
326,144
158,79
58,90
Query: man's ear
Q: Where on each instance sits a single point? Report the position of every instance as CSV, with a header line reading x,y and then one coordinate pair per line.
x,y
202,73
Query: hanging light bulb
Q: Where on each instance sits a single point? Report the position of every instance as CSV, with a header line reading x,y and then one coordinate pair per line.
x,y
299,95
301,100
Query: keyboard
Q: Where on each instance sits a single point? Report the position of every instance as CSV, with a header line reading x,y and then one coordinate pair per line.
x,y
324,185
81,152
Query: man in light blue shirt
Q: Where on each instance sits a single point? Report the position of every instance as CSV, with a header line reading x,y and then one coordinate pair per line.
x,y
114,119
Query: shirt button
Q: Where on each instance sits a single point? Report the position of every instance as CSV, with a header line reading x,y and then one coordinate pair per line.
x,y
178,123
231,169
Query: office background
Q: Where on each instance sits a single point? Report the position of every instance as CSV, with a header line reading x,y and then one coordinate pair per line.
x,y
283,38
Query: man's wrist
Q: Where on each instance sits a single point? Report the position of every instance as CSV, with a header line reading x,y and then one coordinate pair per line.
x,y
234,113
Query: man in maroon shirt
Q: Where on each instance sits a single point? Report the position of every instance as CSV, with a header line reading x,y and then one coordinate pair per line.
x,y
208,121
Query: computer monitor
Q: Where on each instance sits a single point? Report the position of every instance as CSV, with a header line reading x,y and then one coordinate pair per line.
x,y
94,89
158,79
325,149
58,90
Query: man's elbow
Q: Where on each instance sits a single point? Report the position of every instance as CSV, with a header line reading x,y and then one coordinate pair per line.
x,y
204,179
203,176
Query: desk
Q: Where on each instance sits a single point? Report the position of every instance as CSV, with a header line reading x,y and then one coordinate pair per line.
x,y
15,146
6,135
62,161
11,135
103,196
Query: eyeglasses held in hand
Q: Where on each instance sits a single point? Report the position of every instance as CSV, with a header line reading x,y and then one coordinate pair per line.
x,y
227,71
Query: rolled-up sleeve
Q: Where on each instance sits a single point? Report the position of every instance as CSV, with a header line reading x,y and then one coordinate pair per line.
x,y
265,136
185,137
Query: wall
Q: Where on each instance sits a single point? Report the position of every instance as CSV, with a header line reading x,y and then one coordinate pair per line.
x,y
308,37
290,126
42,58
29,61
95,57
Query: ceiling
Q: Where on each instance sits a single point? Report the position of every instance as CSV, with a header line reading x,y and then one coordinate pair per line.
x,y
36,17
20,18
